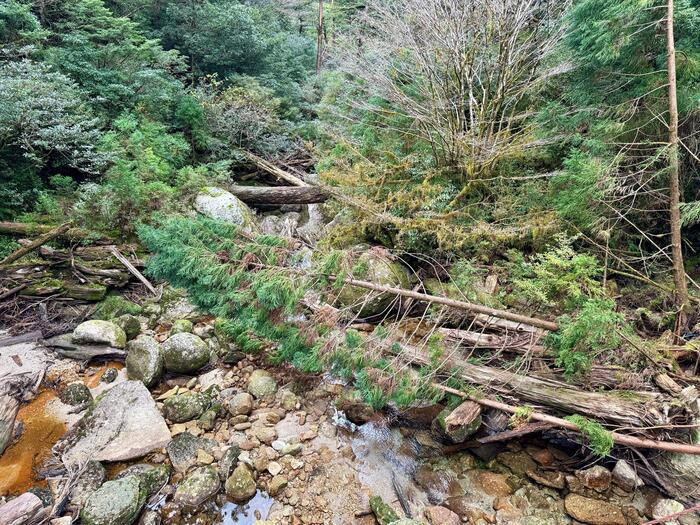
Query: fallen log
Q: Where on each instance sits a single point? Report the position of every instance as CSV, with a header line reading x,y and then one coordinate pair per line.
x,y
518,342
132,269
26,509
523,430
43,239
274,170
620,439
633,409
280,194
463,415
64,346
28,230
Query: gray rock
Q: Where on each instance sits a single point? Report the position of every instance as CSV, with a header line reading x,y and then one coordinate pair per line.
x,y
152,477
109,375
182,450
681,474
100,332
207,420
117,502
144,360
625,476
198,486
240,485
219,204
240,404
261,384
124,424
185,353
227,462
91,479
75,394
378,269
185,407
666,507
181,326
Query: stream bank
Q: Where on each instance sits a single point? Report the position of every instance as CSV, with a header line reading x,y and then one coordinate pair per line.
x,y
234,440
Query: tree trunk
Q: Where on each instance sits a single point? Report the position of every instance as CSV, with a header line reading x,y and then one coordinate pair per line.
x,y
319,38
674,181
279,194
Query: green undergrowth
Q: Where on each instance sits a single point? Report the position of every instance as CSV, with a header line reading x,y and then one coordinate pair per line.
x,y
598,439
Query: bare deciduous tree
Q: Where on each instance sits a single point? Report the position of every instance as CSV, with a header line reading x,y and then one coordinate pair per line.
x,y
462,71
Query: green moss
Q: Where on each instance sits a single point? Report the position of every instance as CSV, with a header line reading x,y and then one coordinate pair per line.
x,y
114,306
599,440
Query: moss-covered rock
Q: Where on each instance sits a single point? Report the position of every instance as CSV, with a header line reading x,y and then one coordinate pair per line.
x,y
185,407
99,332
115,305
261,384
383,512
117,502
130,324
240,485
185,353
379,269
75,394
144,360
181,326
198,486
222,205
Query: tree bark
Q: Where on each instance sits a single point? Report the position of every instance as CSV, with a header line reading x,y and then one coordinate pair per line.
x,y
681,292
280,194
23,510
319,38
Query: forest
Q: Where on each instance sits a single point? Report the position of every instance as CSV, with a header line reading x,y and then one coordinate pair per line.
x,y
349,261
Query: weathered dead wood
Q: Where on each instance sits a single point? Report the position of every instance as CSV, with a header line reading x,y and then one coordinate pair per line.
x,y
635,409
26,509
280,194
63,345
274,170
528,428
127,264
620,439
29,337
43,239
9,406
463,415
436,299
28,230
517,342
13,291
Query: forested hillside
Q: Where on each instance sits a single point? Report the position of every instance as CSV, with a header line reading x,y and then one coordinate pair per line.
x,y
475,219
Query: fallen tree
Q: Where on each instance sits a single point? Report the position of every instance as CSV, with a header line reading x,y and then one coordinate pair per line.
x,y
280,194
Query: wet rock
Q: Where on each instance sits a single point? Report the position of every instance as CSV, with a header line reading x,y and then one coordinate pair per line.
x,y
452,434
380,269
491,483
124,424
99,332
382,512
518,462
181,326
597,478
144,360
197,487
419,413
183,449
356,411
185,353
130,324
222,205
109,375
261,384
91,479
625,477
240,485
593,511
75,394
240,404
277,485
184,407
549,478
666,507
437,515
117,502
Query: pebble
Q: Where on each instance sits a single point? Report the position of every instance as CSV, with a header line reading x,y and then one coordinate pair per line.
x,y
274,468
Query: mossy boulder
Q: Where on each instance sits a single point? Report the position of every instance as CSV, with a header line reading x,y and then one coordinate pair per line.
x,y
379,269
185,353
117,502
181,326
144,360
222,205
100,332
198,486
115,305
240,485
130,324
152,477
185,407
261,384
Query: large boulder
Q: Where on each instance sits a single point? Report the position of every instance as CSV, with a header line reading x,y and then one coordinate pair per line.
x,y
198,486
100,332
144,360
681,475
185,353
222,205
374,266
124,424
117,502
